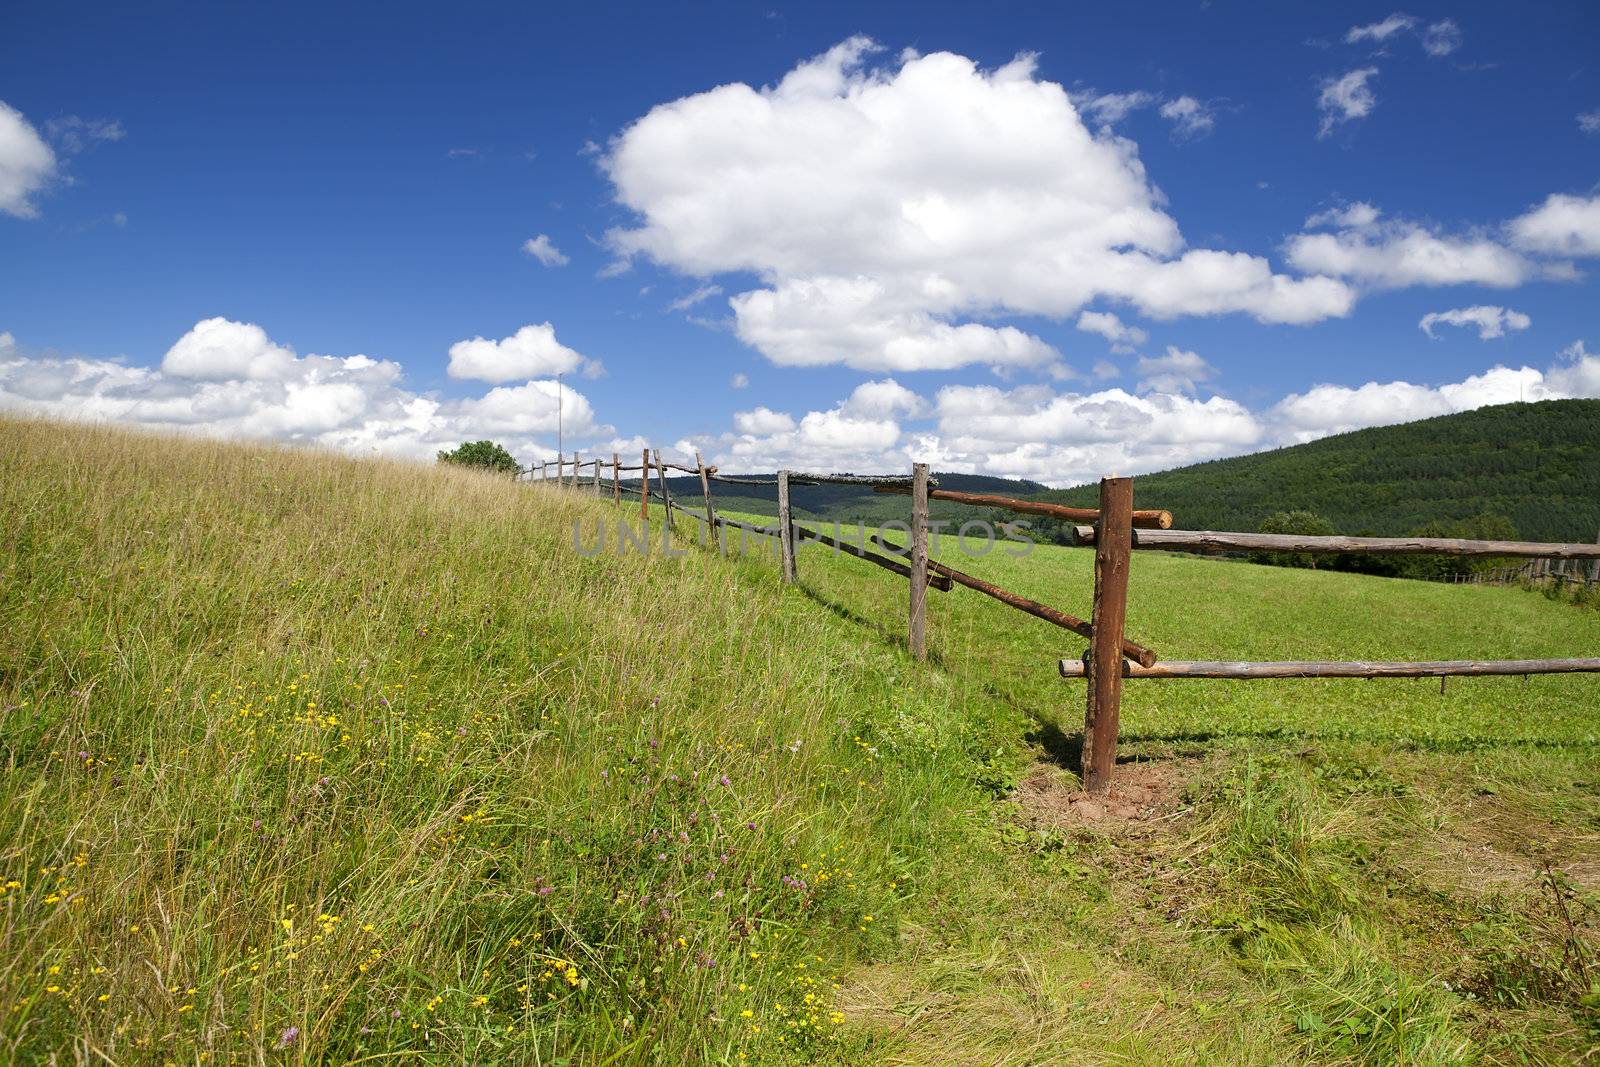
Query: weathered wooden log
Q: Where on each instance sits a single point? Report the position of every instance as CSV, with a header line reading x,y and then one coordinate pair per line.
x,y
705,489
903,480
764,531
1159,520
616,478
1103,711
1032,607
1216,541
644,485
937,581
785,530
917,629
1246,669
666,497
742,481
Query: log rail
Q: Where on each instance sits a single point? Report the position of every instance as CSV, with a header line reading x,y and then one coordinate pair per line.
x,y
1248,669
1212,541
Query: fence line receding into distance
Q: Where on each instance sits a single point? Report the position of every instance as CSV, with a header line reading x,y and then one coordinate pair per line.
x,y
1115,530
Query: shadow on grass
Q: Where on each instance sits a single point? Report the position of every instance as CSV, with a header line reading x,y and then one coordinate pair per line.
x,y
851,615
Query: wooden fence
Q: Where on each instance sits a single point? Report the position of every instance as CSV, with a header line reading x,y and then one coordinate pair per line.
x,y
1115,530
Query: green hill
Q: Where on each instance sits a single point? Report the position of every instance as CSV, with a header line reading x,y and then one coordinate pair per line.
x,y
307,759
1535,464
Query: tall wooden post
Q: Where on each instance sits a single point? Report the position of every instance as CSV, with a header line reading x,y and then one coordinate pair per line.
x,y
616,478
918,631
666,497
597,476
1594,565
785,530
574,468
644,485
705,488
1113,546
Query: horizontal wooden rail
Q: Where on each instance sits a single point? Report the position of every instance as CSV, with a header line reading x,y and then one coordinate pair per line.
x,y
743,481
1152,519
1241,669
1214,541
874,480
1039,611
939,582
764,531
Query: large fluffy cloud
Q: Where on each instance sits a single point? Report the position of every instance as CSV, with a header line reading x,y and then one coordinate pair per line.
x,y
230,379
893,214
26,163
1561,226
528,353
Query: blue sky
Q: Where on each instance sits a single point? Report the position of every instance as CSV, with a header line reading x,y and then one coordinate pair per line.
x,y
206,211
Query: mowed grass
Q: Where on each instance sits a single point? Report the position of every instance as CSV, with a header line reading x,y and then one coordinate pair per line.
x,y
314,759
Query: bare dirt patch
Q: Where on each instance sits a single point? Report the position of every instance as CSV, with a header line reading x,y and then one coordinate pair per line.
x,y
1141,792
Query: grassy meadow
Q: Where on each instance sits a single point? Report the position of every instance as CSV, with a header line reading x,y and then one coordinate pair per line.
x,y
313,759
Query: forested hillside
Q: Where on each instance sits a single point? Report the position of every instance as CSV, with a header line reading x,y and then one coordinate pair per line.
x,y
1537,465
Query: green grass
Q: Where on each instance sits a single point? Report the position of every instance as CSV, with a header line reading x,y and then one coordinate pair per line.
x,y
308,758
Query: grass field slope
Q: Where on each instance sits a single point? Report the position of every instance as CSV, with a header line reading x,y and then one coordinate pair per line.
x,y
310,759
1535,464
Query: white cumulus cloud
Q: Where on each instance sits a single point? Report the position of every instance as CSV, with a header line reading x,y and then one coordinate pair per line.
x,y
1491,320
26,163
1346,98
1178,371
225,378
1123,338
895,215
530,352
1399,253
1563,226
763,421
1189,117
545,251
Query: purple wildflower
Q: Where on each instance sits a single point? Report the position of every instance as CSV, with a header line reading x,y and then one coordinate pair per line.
x,y
286,1038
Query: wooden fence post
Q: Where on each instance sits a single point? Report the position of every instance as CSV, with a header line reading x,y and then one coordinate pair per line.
x,y
666,497
785,529
597,476
616,478
918,631
1594,567
705,488
574,468
644,487
1112,550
